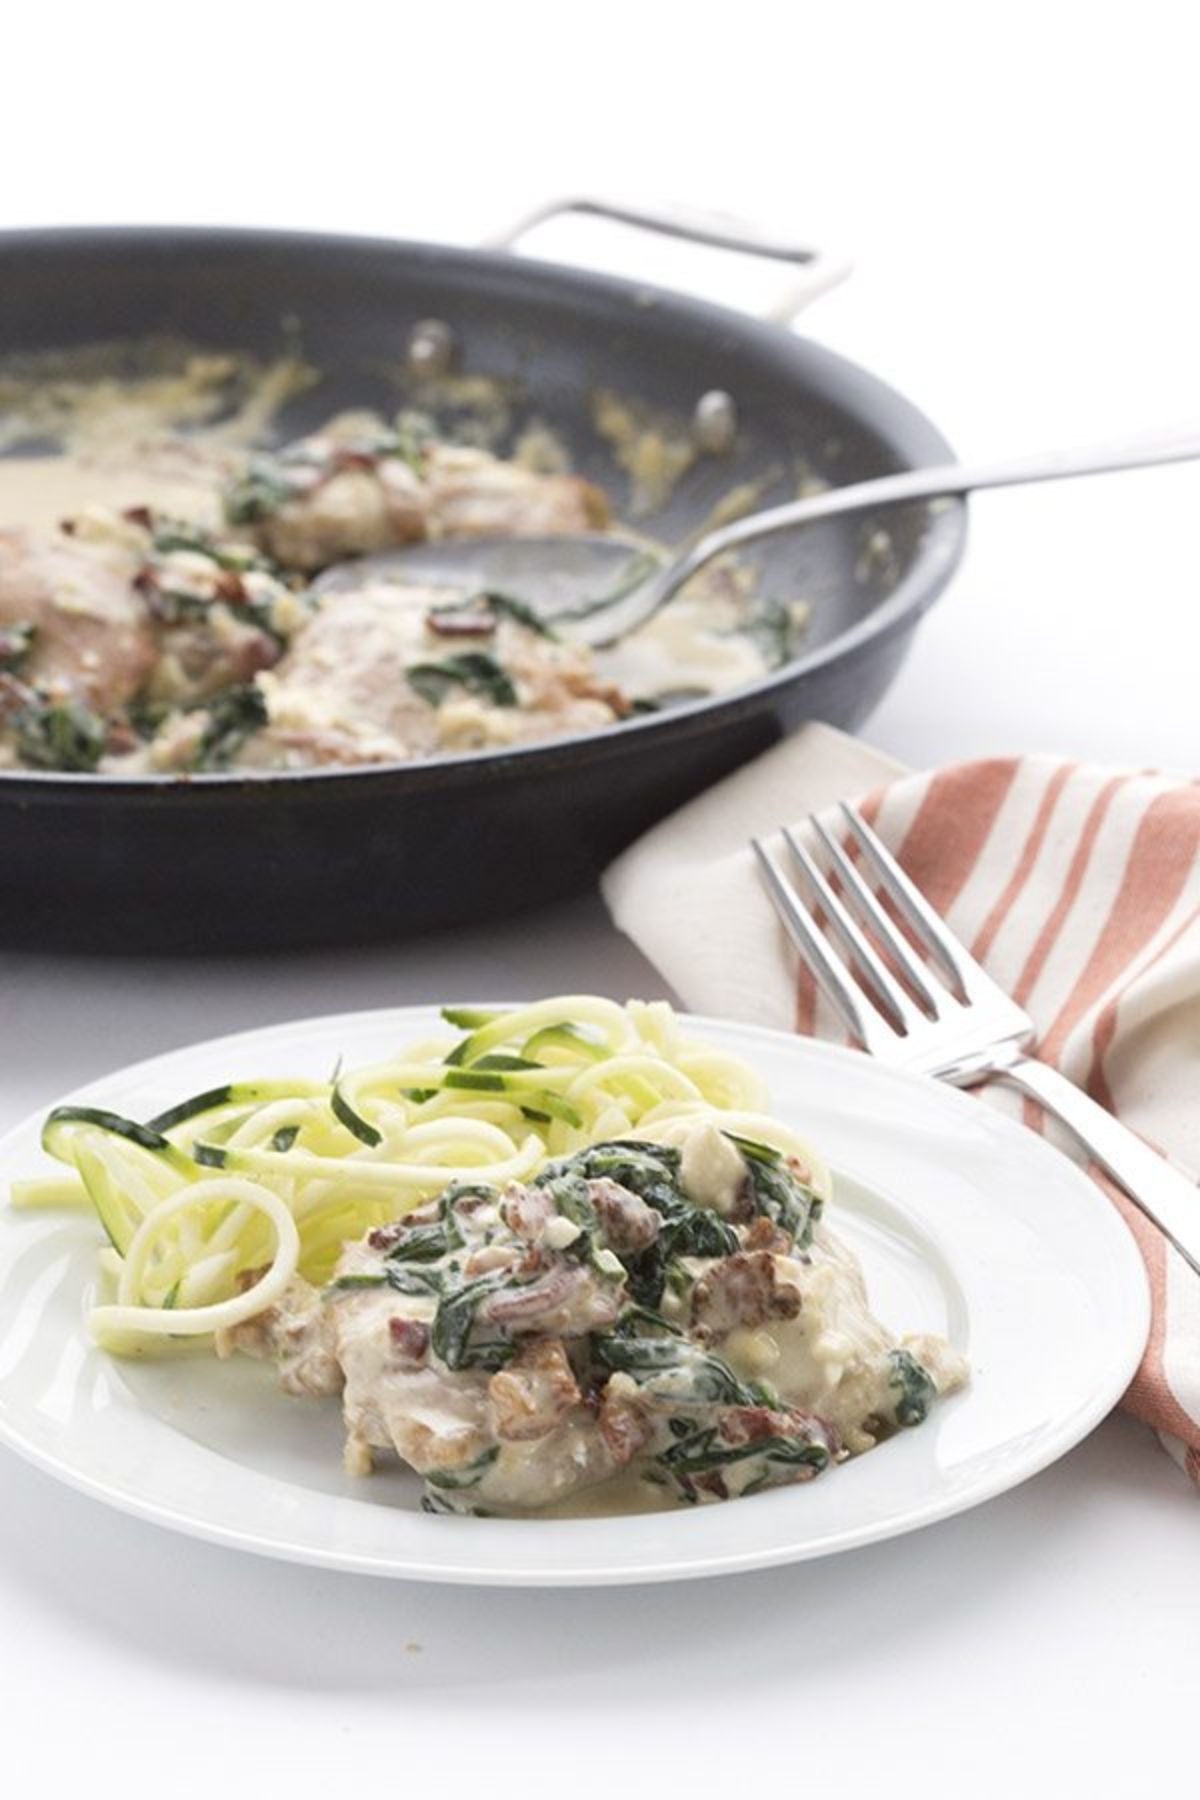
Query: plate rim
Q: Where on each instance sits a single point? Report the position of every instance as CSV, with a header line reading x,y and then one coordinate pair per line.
x,y
1057,1444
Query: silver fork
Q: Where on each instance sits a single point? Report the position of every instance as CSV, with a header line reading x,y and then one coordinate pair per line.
x,y
947,1017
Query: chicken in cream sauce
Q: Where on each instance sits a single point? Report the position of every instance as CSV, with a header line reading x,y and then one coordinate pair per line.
x,y
663,1322
157,615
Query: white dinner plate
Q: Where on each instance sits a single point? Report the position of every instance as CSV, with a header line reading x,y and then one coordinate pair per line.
x,y
966,1225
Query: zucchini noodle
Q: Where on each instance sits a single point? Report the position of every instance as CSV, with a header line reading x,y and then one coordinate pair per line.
x,y
211,1208
131,1313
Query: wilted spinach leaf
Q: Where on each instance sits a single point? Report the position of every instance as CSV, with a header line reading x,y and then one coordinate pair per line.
x,y
470,1475
61,734
778,1194
16,641
257,494
473,670
233,716
915,1386
453,1323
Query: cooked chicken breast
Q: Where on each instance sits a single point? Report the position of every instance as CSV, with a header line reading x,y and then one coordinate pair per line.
x,y
92,638
516,1346
135,641
374,677
472,494
362,487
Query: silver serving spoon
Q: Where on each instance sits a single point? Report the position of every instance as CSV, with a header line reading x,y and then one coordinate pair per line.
x,y
598,587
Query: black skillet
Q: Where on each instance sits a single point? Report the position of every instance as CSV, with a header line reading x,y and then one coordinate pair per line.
x,y
228,861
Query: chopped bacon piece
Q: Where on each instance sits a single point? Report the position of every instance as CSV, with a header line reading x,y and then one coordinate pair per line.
x,y
386,1237
568,1299
628,1223
466,620
229,586
751,1424
624,1423
410,1337
534,1392
518,1307
526,1210
764,1234
741,1291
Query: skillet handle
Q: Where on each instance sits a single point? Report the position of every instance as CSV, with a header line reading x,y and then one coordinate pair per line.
x,y
821,271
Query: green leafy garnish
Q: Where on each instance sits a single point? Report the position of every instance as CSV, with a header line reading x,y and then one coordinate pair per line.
x,y
233,717
672,1368
256,494
433,1502
63,734
422,1282
478,614
146,716
473,670
454,1321
465,1190
778,1194
753,1151
914,1385
349,1284
651,1171
773,629
703,1450
16,641
413,432
406,1280
175,534
521,614
470,1475
421,1244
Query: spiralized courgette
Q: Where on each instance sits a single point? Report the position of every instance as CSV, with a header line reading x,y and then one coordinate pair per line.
x,y
213,1206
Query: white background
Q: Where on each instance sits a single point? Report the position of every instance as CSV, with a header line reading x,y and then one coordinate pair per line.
x,y
1018,186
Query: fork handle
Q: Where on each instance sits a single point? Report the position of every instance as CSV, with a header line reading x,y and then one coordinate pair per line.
x,y
1168,1199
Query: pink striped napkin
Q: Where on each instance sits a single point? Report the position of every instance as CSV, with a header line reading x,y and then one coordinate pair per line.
x,y
1077,887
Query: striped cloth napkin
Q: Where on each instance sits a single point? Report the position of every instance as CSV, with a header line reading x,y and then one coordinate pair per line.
x,y
1077,887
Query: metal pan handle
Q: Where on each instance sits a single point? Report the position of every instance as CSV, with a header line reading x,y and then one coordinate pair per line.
x,y
821,271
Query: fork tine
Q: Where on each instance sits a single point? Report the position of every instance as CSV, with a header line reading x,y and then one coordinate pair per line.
x,y
883,984
879,921
959,968
847,998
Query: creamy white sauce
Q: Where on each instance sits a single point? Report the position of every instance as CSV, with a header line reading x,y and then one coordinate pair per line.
x,y
39,492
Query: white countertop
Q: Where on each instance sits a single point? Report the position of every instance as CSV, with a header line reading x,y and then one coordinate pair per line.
x,y
1019,192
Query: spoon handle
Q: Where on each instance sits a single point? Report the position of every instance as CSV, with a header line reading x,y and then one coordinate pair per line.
x,y
1177,444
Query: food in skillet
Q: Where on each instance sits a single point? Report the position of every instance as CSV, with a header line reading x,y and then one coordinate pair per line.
x,y
562,1251
148,639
